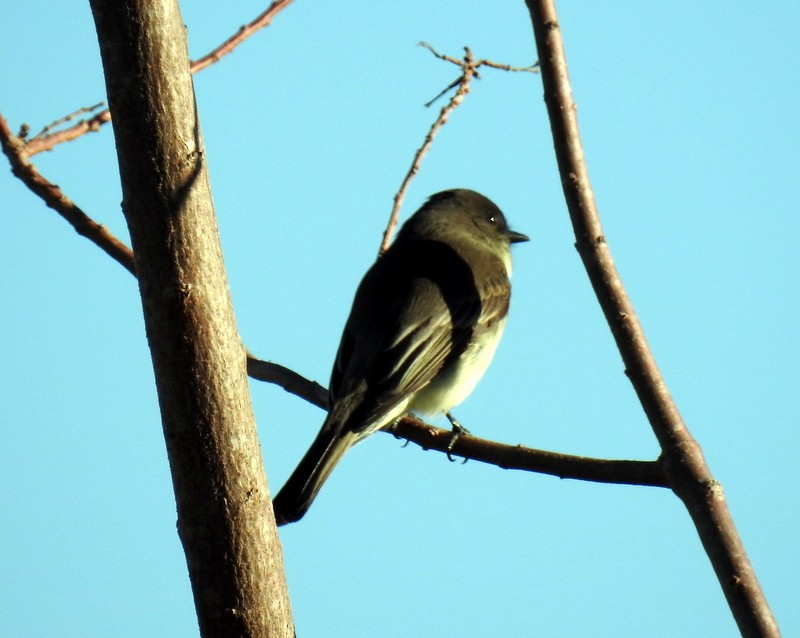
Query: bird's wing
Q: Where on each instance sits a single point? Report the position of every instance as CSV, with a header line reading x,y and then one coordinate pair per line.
x,y
407,323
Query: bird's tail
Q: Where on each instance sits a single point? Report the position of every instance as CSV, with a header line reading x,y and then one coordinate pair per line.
x,y
299,491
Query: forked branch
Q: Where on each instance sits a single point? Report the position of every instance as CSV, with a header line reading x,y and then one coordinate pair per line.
x,y
469,69
47,140
15,150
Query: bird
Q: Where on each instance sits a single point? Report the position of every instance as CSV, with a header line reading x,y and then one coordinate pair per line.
x,y
423,328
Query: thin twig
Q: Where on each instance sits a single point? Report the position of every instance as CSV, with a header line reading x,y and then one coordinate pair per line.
x,y
65,119
289,380
469,69
442,56
688,474
48,141
533,68
264,20
51,140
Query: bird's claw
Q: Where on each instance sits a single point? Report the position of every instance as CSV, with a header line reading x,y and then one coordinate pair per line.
x,y
391,428
457,431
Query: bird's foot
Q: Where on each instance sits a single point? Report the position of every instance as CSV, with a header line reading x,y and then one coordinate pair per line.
x,y
391,428
458,430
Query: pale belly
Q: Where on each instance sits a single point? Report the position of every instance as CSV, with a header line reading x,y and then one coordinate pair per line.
x,y
454,384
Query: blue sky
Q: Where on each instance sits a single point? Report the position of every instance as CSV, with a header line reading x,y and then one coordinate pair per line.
x,y
689,118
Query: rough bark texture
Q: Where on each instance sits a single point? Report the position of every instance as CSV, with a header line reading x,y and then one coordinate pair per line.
x,y
224,512
687,472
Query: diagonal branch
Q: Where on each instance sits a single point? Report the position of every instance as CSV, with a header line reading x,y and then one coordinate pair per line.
x,y
53,196
62,120
289,380
468,72
49,141
264,20
688,474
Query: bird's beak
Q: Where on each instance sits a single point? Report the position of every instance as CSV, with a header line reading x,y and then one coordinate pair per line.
x,y
514,237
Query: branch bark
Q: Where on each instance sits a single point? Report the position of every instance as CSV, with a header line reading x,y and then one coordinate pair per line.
x,y
225,519
687,472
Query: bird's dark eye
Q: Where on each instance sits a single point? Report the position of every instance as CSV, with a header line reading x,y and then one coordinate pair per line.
x,y
493,219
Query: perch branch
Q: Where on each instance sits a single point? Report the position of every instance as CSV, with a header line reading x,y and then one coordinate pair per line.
x,y
509,457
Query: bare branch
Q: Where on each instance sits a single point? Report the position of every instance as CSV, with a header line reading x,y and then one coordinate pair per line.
x,y
264,20
533,68
287,379
52,195
442,56
518,457
509,457
469,69
65,119
688,474
46,141
51,140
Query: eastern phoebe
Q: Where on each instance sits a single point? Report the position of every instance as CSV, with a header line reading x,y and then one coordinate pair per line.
x,y
424,326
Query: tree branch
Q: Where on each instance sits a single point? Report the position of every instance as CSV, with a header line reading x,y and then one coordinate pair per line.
x,y
689,476
225,519
48,141
287,379
518,457
62,120
264,20
508,457
469,69
52,195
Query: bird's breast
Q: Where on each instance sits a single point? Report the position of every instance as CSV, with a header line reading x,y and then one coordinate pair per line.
x,y
457,380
